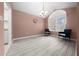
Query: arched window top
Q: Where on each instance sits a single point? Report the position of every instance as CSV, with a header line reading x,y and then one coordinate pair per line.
x,y
57,20
57,13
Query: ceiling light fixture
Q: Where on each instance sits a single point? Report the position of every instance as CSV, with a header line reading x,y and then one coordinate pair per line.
x,y
43,12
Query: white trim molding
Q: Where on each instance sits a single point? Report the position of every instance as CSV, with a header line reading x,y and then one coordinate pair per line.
x,y
27,37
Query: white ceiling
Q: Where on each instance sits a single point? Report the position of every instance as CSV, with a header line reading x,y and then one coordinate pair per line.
x,y
35,8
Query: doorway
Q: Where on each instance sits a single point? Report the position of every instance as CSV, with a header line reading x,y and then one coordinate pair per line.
x,y
7,27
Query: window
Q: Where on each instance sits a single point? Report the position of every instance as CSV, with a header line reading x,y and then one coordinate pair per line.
x,y
57,21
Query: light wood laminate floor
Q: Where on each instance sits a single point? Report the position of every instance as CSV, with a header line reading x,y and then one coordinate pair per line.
x,y
42,46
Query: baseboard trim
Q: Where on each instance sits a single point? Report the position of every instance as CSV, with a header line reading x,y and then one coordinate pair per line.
x,y
27,37
73,40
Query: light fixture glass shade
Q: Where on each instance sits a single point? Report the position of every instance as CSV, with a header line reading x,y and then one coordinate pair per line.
x,y
43,13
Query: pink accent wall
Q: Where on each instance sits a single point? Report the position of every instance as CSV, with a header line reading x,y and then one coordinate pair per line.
x,y
77,27
1,8
46,22
71,21
1,31
23,24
